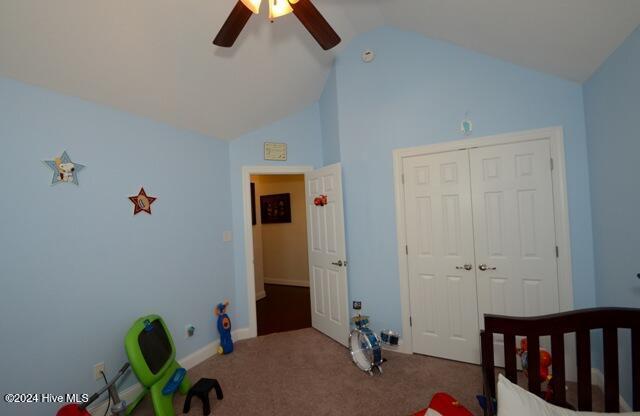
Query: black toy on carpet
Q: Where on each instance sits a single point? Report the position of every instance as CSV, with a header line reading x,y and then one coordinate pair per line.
x,y
201,390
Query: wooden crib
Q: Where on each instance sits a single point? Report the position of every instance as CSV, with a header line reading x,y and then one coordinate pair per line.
x,y
580,322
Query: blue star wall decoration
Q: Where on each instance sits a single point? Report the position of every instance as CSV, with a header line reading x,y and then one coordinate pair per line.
x,y
64,170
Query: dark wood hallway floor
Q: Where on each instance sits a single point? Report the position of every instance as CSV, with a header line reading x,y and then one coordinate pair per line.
x,y
286,308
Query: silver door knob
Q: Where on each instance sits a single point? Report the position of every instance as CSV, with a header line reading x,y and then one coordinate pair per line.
x,y
465,267
338,263
484,267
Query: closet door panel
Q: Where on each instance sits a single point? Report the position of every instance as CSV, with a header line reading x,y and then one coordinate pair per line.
x,y
514,229
440,243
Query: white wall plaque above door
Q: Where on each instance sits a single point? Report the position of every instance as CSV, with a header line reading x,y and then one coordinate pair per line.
x,y
275,151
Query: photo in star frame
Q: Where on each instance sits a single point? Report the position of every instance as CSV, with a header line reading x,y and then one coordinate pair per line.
x,y
142,202
64,170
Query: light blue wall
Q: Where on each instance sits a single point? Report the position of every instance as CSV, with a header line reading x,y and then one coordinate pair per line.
x,y
611,99
79,259
76,267
302,133
416,92
329,116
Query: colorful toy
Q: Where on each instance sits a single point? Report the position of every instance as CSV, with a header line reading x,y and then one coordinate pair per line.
x,y
152,355
444,405
364,346
545,362
320,201
544,373
174,382
224,328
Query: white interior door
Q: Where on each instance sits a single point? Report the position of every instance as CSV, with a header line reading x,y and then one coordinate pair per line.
x,y
514,231
327,253
442,274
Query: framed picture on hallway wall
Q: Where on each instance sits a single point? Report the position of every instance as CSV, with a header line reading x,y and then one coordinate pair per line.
x,y
275,209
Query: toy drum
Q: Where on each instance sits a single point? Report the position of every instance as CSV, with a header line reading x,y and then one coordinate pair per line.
x,y
365,349
389,337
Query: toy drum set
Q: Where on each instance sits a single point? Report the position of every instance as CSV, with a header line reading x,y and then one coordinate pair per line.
x,y
364,345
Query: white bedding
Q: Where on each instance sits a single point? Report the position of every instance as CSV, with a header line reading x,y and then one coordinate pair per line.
x,y
513,400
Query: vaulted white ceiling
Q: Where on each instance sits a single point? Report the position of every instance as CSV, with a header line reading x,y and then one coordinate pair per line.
x,y
155,58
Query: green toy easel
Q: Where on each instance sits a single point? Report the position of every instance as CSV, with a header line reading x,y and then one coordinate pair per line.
x,y
152,356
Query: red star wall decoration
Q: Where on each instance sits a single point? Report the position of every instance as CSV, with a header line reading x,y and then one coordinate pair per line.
x,y
142,202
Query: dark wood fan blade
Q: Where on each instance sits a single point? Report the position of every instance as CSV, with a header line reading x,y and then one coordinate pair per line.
x,y
233,26
316,24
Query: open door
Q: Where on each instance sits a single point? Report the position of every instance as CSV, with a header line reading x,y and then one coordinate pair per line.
x,y
327,253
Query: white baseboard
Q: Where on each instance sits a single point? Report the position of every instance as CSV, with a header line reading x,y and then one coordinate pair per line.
x,y
286,282
200,355
240,334
261,295
597,379
131,393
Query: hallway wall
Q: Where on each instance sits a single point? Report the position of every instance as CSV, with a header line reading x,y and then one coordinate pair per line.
x,y
284,246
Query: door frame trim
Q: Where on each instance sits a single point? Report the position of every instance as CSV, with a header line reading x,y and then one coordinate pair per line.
x,y
247,171
560,208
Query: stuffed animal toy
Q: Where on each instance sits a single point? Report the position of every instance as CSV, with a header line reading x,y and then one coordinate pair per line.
x,y
224,328
543,373
545,361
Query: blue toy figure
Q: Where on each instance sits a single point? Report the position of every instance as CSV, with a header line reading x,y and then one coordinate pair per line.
x,y
224,328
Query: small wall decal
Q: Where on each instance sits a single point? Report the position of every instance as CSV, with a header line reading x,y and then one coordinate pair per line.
x,y
142,202
466,126
320,201
64,170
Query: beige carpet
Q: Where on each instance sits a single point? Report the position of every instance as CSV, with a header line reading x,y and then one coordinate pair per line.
x,y
305,373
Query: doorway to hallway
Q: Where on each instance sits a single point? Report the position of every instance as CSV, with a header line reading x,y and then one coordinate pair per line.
x,y
281,265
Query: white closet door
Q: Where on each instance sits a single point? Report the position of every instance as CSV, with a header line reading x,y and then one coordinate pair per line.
x,y
440,243
514,229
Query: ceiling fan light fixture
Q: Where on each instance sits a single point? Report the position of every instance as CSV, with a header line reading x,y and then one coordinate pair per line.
x,y
279,8
304,10
253,5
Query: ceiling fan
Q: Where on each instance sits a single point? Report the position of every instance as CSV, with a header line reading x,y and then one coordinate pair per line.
x,y
304,10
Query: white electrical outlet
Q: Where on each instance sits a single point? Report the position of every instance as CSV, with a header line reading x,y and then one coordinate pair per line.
x,y
98,369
